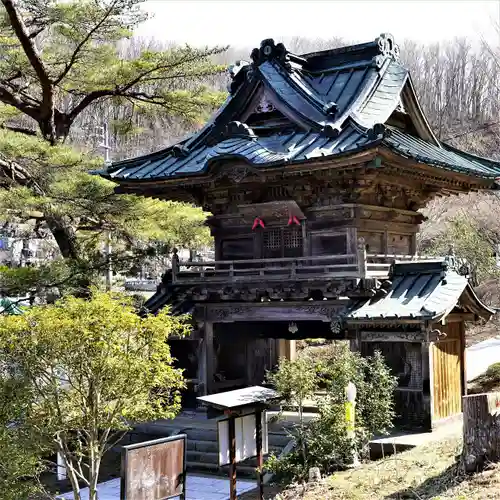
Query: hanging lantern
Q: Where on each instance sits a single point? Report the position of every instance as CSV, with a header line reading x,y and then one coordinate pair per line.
x,y
258,222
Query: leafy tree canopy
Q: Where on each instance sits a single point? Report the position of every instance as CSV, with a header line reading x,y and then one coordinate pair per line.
x,y
89,368
468,241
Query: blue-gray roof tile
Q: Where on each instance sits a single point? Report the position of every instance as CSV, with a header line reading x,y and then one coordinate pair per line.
x,y
427,294
343,92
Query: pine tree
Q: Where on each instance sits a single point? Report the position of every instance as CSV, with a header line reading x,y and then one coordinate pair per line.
x,y
58,60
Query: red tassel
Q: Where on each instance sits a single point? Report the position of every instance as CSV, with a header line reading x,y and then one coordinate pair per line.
x,y
258,222
293,220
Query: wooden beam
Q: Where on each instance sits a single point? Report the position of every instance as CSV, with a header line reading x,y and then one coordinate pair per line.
x,y
457,317
392,336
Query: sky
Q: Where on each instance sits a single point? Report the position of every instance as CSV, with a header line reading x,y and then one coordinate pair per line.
x,y
244,23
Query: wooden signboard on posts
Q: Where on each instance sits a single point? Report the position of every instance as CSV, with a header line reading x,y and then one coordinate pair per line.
x,y
154,470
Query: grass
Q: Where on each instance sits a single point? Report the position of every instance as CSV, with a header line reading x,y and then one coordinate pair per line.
x,y
424,473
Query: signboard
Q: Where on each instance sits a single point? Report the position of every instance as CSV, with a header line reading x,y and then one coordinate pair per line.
x,y
154,470
245,433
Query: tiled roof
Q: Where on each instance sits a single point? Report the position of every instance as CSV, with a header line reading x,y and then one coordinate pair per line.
x,y
332,100
420,290
295,147
445,157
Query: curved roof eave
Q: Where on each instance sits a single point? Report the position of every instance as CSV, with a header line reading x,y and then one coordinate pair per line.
x,y
412,105
481,307
214,161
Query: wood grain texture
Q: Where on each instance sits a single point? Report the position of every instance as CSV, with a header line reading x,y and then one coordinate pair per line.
x,y
481,430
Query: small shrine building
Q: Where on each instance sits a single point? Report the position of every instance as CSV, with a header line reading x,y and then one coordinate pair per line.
x,y
314,171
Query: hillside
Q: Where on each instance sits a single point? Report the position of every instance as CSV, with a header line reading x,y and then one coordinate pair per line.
x,y
424,473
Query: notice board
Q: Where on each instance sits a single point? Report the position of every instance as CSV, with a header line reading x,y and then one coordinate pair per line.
x,y
154,470
245,433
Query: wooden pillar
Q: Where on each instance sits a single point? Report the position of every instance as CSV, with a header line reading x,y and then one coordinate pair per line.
x,y
209,357
305,240
355,342
287,349
432,382
260,456
232,458
463,360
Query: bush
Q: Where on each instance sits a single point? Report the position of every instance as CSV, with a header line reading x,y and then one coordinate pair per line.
x,y
324,442
493,371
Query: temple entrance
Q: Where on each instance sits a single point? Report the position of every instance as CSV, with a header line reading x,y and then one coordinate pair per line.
x,y
242,356
185,354
245,351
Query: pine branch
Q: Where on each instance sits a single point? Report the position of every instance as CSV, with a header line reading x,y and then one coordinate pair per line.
x,y
28,44
8,97
19,130
81,45
123,90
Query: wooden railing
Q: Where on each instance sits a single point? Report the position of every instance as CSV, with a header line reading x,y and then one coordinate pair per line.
x,y
293,268
357,265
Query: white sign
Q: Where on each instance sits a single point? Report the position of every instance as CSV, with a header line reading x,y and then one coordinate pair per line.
x,y
245,434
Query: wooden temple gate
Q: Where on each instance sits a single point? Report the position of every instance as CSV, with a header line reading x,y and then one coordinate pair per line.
x,y
315,170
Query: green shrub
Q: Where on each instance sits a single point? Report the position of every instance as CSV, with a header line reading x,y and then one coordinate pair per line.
x,y
323,442
493,371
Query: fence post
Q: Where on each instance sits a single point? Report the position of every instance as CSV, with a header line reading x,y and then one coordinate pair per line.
x,y
481,430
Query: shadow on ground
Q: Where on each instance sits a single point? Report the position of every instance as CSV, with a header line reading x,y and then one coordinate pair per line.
x,y
432,487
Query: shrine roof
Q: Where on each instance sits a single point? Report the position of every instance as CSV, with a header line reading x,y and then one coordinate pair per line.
x,y
425,290
287,109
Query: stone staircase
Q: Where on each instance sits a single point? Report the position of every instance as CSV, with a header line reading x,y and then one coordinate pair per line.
x,y
202,446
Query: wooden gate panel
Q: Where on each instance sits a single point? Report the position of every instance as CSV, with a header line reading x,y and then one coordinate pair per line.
x,y
447,390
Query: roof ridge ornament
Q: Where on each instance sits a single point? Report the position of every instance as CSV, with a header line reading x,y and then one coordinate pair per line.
x,y
378,131
269,50
387,47
179,151
237,72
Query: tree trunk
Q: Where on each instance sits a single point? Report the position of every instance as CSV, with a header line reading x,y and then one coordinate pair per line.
x,y
70,471
64,235
481,430
65,238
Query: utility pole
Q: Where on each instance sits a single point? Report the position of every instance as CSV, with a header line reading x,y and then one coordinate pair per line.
x,y
107,159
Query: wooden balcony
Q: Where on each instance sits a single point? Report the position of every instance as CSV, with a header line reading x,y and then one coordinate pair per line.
x,y
293,269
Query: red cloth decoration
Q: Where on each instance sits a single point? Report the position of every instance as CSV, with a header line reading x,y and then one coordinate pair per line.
x,y
293,220
258,222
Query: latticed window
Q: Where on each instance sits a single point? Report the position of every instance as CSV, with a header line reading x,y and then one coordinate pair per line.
x,y
282,242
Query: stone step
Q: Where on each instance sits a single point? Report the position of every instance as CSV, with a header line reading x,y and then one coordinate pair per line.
x,y
201,434
206,446
278,439
203,457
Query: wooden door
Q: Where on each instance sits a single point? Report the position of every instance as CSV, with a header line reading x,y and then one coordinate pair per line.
x,y
447,384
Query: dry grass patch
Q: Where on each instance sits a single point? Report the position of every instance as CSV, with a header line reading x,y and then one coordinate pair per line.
x,y
428,472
